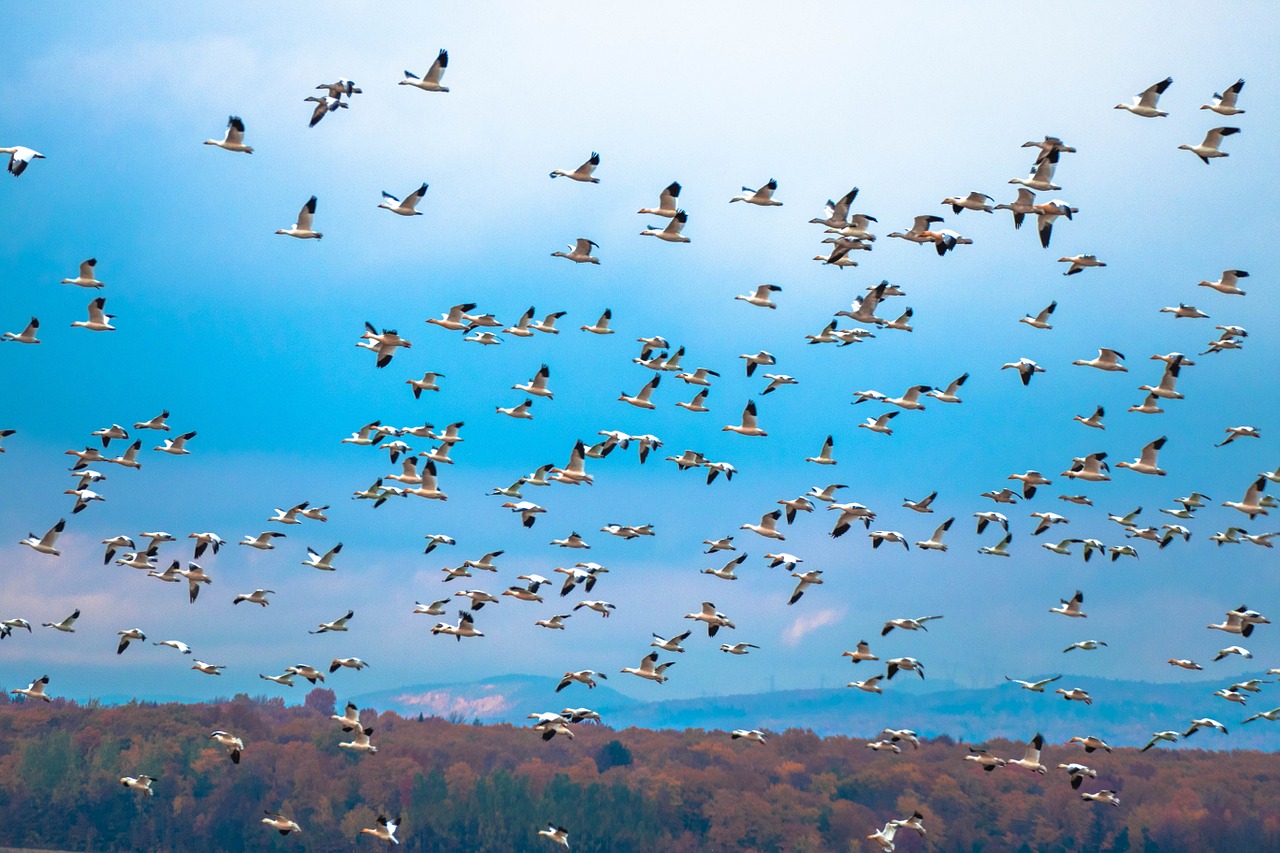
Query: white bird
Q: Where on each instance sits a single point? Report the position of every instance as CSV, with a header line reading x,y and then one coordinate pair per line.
x,y
280,823
262,541
430,82
904,664
714,620
1239,432
127,636
20,158
141,784
762,196
349,663
1033,686
1103,796
27,335
176,446
233,744
1108,359
670,645
46,544
1208,149
34,690
86,276
584,173
208,668
1080,262
1225,103
1026,369
862,652
258,596
1184,311
302,228
803,581
1229,283
1041,320
325,104
768,526
556,834
973,201
672,232
934,542
601,326
884,837
99,320
1031,757
1250,504
1072,607
647,670
761,296
1040,179
738,648
753,735
666,202
1146,463
1144,103
749,425
385,830
1078,772
1095,420
232,141
406,207
916,624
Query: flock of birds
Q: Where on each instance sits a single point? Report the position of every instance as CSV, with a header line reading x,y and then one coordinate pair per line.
x,y
418,473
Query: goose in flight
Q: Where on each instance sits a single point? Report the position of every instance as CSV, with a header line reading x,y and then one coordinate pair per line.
x,y
879,537
738,648
934,542
1030,480
1095,420
768,526
761,358
916,624
973,201
1025,203
601,326
7,626
1146,463
1080,262
426,383
429,82
924,505
849,513
1107,359
824,455
1075,694
1000,549
302,228
233,744
648,670
349,663
835,214
339,624
20,157
803,581
204,541
324,106
520,412
1033,686
527,510
1071,608
280,823
920,230
580,252
672,232
1208,149
1144,103
753,735
99,320
1046,213
1039,179
713,619
46,544
1238,432
585,676
584,173
749,425
176,446
671,645
762,196
1026,369
85,278
141,784
760,297
1030,759
1103,796
1182,311
1078,772
27,335
1225,103
904,664
1167,388
286,679
667,202
34,690
128,635
262,541
1041,320
862,652
1229,283
385,830
407,207
1050,145
258,596
208,668
232,141
984,759
604,608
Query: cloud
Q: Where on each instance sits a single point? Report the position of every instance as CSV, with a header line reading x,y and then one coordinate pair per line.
x,y
808,623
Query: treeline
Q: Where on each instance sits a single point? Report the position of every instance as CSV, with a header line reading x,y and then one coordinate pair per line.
x,y
476,788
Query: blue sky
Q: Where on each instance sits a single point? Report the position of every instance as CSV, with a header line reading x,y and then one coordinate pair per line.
x,y
249,337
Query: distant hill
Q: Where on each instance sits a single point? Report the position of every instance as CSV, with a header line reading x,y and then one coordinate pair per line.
x,y
1123,712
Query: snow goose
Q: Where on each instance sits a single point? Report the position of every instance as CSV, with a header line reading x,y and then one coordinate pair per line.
x,y
1071,608
10,624
585,676
992,517
835,214
1228,283
99,320
916,624
825,494
1239,432
339,624
1080,262
1075,694
753,735
1095,420
232,141
464,628
20,158
870,685
141,784
713,619
1000,549
861,653
46,544
1103,796
302,228
1184,312
760,298
919,232
1208,149
1004,496
749,426
280,823
1225,103
580,251
1041,320
1030,759
879,537
429,82
1047,520
285,680
484,339
176,446
724,544
698,376
803,581
262,541
527,510
904,664
738,648
1252,685
973,201
1144,103
584,173
849,513
604,608
1271,716
85,278
555,622
556,834
83,498
1040,178
435,608
158,422
1026,369
725,572
1232,696
127,636
1049,145
1078,772
924,505
208,668
324,106
1107,359
1146,463
672,232
1033,686
34,690
349,663
1030,480
537,386
768,526
258,596
1046,213
547,325
289,516
984,759
519,412
646,669
1021,206
455,320
407,207
934,542
670,645
385,829
601,326
667,200
1233,650
27,335
1234,624
760,358
1090,743
233,744
762,196
824,455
